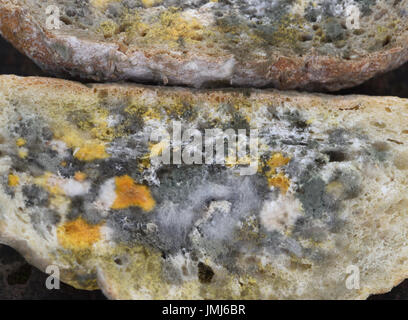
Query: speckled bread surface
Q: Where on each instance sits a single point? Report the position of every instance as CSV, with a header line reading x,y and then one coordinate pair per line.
x,y
286,44
78,190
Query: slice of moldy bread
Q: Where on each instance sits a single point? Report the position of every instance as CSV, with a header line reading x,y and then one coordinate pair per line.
x,y
286,44
324,215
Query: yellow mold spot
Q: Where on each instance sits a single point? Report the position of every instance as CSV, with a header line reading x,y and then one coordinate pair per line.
x,y
158,148
234,161
91,151
109,28
102,4
144,162
289,30
13,180
49,182
280,181
22,154
78,234
276,161
129,194
85,149
20,142
176,26
59,203
150,3
274,179
146,112
171,25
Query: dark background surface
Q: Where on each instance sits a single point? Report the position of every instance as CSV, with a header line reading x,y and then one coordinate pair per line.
x,y
19,280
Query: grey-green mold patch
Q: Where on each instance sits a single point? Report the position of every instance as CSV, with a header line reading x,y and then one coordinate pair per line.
x,y
365,5
35,196
43,221
40,156
315,12
188,191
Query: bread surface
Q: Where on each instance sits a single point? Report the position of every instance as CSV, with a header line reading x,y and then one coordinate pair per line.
x,y
79,190
259,43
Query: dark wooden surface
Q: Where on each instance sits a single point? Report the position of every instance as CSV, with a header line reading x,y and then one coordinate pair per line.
x,y
19,280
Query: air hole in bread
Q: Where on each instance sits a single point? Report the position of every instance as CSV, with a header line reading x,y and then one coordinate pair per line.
x,y
387,40
395,141
66,20
205,273
336,156
306,37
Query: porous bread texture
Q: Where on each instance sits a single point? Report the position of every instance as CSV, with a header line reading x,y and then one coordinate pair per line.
x,y
209,233
259,43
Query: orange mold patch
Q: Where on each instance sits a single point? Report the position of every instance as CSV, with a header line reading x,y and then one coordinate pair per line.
x,y
275,179
129,194
80,176
78,234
